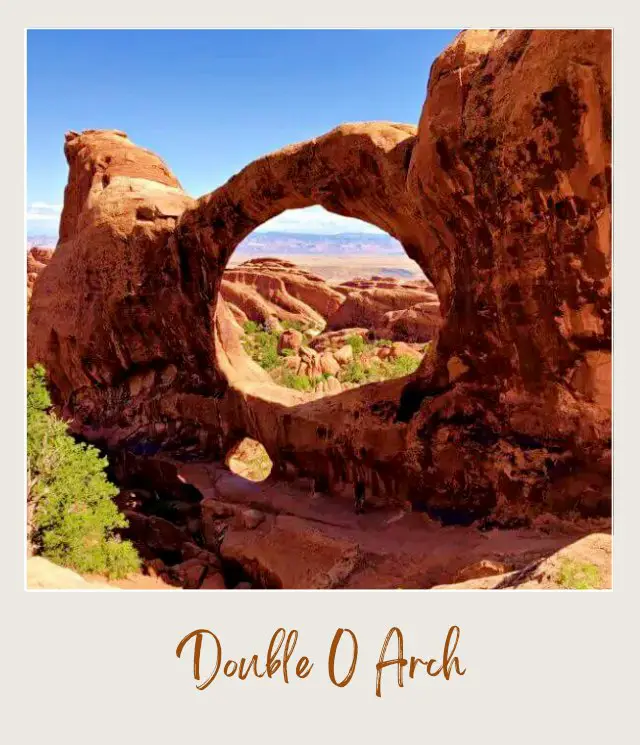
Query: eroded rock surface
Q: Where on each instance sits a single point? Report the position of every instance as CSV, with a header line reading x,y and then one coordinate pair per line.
x,y
503,197
408,311
261,289
38,258
582,565
275,535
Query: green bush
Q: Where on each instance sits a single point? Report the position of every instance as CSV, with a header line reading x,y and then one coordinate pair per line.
x,y
403,365
576,575
262,347
354,372
297,382
377,370
251,327
74,517
297,325
357,344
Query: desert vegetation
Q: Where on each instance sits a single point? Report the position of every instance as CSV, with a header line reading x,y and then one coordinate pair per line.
x,y
578,575
72,516
301,358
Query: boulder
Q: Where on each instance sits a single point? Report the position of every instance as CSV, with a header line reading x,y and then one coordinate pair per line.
x,y
251,518
483,568
213,581
344,355
190,573
420,322
271,323
272,555
332,340
155,567
290,339
386,308
155,532
292,363
400,349
329,364
333,385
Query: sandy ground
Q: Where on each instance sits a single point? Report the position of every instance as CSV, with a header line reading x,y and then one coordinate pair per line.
x,y
336,269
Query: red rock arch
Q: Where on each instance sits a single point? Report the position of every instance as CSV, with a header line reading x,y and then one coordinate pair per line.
x,y
503,198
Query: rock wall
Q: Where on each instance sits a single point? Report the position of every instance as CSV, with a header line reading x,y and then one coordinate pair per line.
x,y
38,258
503,197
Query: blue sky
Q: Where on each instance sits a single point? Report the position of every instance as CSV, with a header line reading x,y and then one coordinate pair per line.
x,y
209,102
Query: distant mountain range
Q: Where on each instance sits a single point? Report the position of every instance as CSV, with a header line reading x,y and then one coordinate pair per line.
x,y
284,244
265,244
47,241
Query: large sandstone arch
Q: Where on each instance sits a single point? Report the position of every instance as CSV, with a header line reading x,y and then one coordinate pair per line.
x,y
503,198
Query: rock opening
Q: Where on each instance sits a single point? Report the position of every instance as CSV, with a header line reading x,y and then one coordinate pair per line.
x,y
250,460
331,320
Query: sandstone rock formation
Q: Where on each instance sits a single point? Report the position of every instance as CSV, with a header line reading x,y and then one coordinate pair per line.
x,y
260,289
401,310
583,565
290,339
503,197
331,340
275,535
43,574
420,322
37,259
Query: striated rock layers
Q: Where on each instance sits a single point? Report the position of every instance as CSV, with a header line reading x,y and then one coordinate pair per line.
x,y
407,311
268,290
503,197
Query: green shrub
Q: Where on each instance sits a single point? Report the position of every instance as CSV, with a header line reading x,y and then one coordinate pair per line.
x,y
74,517
288,352
251,327
377,370
297,382
262,347
576,575
403,365
356,343
354,372
383,343
297,325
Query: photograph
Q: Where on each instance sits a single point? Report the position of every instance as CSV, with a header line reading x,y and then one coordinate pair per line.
x,y
317,309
